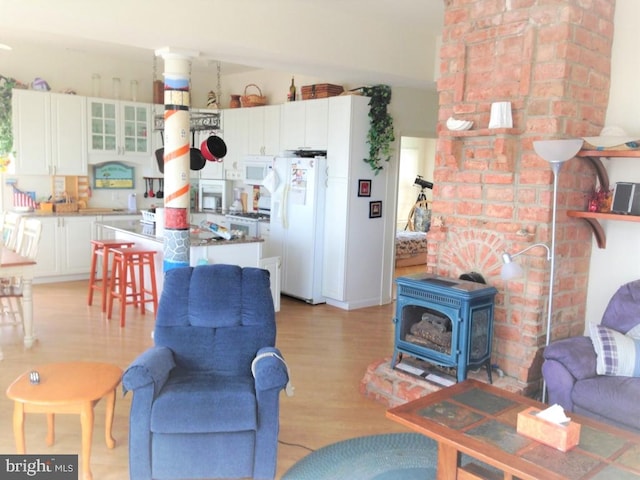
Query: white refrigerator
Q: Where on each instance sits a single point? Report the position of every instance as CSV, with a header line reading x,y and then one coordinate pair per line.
x,y
297,224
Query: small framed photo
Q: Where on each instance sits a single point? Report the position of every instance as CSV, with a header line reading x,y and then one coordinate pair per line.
x,y
375,209
364,188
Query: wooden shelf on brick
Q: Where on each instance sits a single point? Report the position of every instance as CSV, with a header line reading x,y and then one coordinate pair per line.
x,y
593,218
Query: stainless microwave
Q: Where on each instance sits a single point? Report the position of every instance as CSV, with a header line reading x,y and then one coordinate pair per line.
x,y
255,168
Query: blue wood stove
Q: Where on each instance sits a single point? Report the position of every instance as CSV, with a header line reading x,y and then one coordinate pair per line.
x,y
444,321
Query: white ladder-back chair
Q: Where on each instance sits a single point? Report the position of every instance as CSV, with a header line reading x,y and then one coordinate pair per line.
x,y
28,240
10,229
29,237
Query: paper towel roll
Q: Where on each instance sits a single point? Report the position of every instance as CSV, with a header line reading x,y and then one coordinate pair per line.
x,y
159,222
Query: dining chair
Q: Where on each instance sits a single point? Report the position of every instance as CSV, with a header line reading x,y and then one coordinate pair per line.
x,y
27,242
10,229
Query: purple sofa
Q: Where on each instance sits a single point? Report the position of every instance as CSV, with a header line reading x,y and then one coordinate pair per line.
x,y
569,369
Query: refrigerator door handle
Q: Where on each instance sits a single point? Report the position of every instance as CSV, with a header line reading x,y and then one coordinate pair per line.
x,y
283,207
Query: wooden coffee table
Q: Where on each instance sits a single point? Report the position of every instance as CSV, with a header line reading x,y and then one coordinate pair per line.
x,y
480,420
73,387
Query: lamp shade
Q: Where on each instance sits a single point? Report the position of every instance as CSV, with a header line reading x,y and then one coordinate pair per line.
x,y
510,269
558,151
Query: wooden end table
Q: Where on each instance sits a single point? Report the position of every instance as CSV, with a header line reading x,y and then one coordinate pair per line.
x,y
72,387
480,420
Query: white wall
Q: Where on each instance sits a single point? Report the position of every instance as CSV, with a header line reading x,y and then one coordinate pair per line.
x,y
620,261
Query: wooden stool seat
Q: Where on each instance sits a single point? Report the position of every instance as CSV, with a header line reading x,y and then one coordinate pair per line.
x,y
101,248
129,280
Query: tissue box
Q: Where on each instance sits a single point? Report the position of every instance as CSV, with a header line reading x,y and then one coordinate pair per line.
x,y
562,437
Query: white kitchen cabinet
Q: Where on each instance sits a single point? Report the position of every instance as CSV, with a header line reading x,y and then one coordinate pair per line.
x,y
305,124
353,242
235,128
65,249
118,130
49,133
264,130
212,170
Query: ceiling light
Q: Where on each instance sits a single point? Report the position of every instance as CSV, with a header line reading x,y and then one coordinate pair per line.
x,y
4,46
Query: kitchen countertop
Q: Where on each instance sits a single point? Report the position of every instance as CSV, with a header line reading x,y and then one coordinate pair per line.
x,y
148,231
82,212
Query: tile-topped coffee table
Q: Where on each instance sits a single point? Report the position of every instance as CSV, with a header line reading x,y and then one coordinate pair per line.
x,y
480,420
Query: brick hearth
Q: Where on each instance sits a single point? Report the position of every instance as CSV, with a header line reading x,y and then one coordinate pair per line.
x,y
392,387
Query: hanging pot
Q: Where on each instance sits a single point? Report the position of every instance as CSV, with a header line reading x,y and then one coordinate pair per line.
x,y
196,159
160,154
213,148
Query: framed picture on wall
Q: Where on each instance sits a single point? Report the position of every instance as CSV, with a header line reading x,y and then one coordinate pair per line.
x,y
364,188
375,209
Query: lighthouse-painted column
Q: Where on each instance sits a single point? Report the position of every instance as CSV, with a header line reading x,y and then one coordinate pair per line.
x,y
177,147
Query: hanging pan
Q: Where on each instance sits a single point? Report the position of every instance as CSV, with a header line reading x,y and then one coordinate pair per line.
x,y
196,159
213,148
160,154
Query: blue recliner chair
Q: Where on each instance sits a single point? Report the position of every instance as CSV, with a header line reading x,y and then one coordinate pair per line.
x,y
206,396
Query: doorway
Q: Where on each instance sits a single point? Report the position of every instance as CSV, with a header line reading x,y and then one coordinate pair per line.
x,y
417,157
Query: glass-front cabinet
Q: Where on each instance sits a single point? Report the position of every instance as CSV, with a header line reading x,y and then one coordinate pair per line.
x,y
119,128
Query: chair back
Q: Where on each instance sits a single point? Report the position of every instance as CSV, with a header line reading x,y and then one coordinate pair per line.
x,y
216,317
29,237
10,229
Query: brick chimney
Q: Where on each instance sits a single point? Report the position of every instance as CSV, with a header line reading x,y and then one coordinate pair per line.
x,y
492,193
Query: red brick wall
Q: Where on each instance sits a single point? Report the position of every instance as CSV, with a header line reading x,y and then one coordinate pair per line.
x,y
551,60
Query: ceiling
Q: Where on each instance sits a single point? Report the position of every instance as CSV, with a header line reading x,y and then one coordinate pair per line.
x,y
359,41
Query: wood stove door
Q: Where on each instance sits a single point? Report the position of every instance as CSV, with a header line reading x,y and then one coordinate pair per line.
x,y
427,331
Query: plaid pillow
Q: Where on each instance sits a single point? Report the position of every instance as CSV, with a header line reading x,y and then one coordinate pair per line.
x,y
617,354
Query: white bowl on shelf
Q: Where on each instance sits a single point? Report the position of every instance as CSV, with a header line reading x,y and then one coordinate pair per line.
x,y
458,125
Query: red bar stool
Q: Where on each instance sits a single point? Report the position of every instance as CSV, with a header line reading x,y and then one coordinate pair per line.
x,y
128,282
102,248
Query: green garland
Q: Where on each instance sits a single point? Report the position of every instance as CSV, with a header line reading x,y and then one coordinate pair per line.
x,y
380,134
6,132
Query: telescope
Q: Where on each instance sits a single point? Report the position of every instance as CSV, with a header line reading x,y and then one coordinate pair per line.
x,y
422,183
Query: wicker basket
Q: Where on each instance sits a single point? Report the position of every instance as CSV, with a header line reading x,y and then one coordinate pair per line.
x,y
66,207
252,100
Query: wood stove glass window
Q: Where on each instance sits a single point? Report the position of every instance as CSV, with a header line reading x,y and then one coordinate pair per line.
x,y
426,328
480,334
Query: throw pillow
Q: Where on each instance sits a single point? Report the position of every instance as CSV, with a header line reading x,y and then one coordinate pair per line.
x,y
617,354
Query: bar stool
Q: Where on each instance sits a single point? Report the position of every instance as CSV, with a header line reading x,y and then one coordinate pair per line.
x,y
102,248
126,265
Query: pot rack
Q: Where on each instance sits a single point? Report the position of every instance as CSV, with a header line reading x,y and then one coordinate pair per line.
x,y
198,121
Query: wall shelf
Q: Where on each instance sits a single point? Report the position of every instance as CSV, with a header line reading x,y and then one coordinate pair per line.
x,y
595,157
593,218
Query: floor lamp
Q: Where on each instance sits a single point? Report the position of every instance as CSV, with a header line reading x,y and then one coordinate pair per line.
x,y
556,152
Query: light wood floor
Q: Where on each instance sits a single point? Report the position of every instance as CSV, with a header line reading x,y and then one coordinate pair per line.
x,y
327,350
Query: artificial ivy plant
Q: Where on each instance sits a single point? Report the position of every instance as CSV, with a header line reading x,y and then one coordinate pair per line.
x,y
6,132
380,134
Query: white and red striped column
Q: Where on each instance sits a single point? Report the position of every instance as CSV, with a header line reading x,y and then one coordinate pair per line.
x,y
177,147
